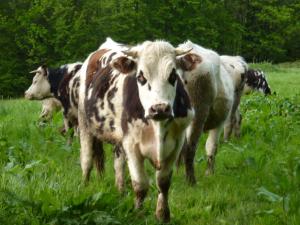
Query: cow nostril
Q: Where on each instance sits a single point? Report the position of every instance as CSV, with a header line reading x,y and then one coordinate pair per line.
x,y
152,110
167,109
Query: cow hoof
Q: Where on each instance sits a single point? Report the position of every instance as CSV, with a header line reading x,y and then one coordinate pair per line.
x,y
209,172
191,180
163,215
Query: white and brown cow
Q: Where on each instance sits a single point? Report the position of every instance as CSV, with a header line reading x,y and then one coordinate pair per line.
x,y
211,90
237,68
135,99
61,83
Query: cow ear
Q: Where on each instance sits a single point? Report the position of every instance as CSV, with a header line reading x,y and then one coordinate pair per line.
x,y
44,69
189,61
124,65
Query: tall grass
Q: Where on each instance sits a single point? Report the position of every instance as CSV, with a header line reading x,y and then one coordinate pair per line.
x,y
257,178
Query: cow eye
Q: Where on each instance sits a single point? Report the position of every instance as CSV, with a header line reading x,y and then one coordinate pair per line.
x,y
173,77
141,79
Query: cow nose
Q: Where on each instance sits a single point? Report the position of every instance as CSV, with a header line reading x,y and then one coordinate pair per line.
x,y
28,96
160,112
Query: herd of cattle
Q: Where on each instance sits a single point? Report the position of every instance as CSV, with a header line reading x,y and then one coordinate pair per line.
x,y
151,101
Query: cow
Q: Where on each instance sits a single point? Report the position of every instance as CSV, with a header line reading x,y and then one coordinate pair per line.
x,y
135,99
237,68
61,83
256,81
211,90
49,107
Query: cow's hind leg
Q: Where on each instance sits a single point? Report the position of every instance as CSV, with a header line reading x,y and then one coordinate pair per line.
x,y
237,124
119,166
86,152
211,148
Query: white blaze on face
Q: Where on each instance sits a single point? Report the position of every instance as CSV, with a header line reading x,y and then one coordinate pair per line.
x,y
40,87
156,75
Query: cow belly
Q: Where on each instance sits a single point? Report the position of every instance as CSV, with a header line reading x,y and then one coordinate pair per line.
x,y
218,113
108,129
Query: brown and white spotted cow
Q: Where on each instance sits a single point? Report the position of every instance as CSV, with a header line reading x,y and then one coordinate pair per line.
x,y
61,83
237,68
256,81
135,99
211,90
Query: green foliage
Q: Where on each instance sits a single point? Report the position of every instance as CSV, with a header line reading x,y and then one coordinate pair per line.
x,y
257,177
56,32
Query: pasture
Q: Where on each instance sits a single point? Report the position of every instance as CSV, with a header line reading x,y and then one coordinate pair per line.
x,y
257,177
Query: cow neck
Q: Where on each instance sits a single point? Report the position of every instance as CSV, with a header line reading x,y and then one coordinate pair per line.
x,y
55,77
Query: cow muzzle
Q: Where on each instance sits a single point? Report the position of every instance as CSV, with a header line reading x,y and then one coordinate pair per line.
x,y
28,96
160,112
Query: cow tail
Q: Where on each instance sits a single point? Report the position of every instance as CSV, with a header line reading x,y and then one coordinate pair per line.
x,y
98,156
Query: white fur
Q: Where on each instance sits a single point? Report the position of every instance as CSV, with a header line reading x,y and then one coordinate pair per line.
x,y
40,87
212,92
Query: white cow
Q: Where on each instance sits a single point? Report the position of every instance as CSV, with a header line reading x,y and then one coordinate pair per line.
x,y
237,68
211,90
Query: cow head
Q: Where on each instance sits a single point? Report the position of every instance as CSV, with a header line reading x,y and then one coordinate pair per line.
x,y
156,73
40,87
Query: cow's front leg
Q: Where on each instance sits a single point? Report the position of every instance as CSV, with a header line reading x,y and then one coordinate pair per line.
x,y
211,149
119,166
137,172
163,181
193,134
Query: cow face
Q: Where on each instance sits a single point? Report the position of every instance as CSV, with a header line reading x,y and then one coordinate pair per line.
x,y
40,87
156,76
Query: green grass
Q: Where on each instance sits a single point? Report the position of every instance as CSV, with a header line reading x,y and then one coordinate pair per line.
x,y
257,179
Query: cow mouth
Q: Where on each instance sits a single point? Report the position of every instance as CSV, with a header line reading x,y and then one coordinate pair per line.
x,y
160,116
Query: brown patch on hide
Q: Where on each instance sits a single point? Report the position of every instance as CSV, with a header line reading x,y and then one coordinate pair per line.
x,y
94,65
110,95
133,108
182,101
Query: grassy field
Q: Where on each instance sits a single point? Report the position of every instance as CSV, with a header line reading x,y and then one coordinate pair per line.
x,y
257,179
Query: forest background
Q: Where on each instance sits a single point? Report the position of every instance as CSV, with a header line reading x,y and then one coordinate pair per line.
x,y
56,32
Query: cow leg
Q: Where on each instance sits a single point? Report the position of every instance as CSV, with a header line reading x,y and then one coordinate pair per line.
x,y
137,172
231,119
119,166
211,149
86,152
193,134
237,124
67,126
163,182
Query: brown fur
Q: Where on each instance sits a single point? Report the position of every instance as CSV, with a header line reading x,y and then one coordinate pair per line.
x,y
94,65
